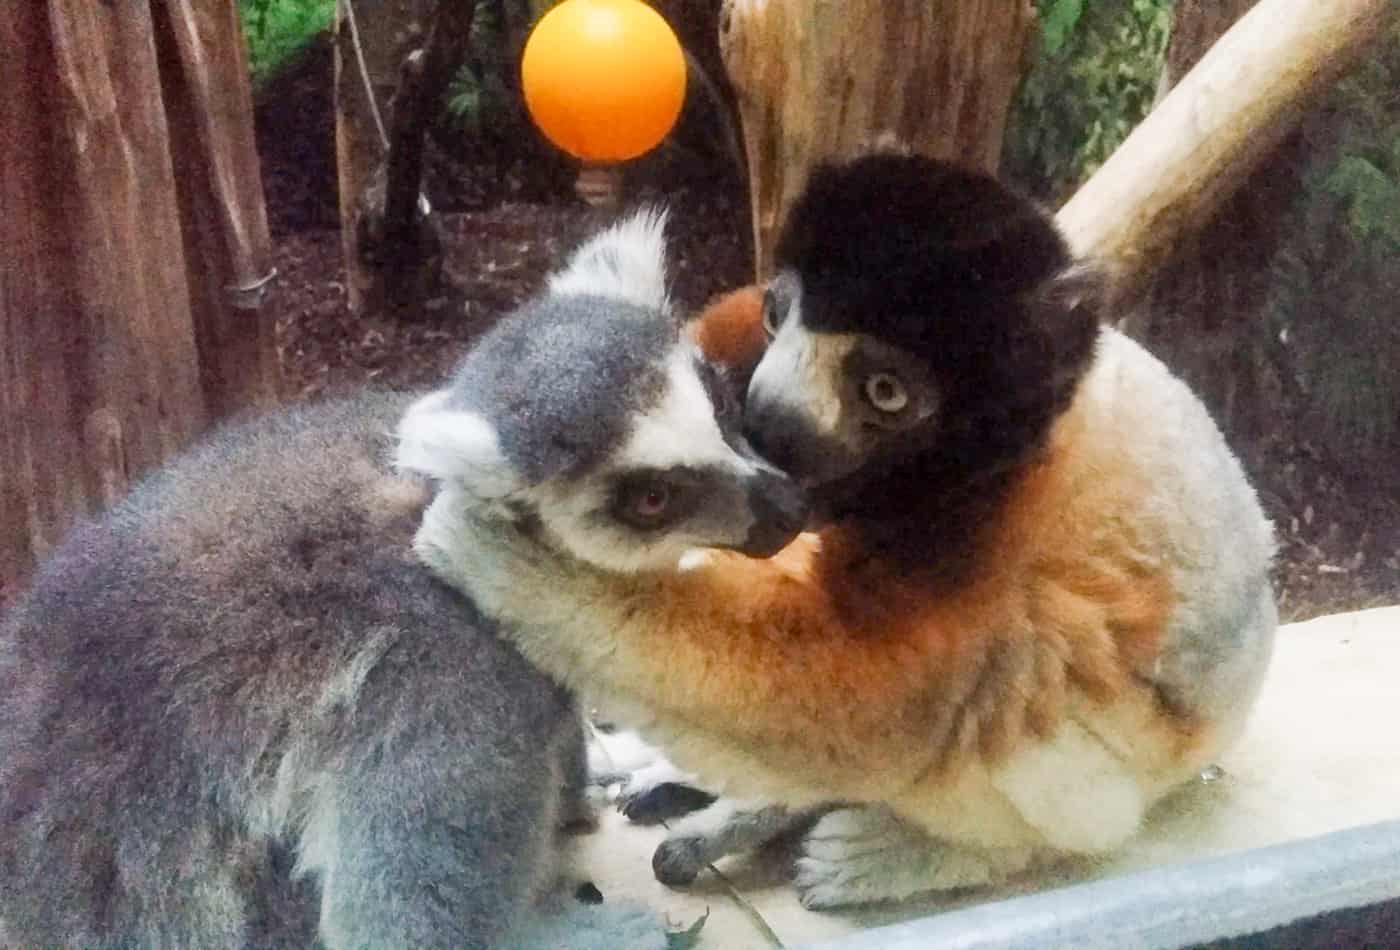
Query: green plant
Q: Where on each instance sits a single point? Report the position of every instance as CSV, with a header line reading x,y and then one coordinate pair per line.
x,y
276,29
1093,79
481,94
1338,275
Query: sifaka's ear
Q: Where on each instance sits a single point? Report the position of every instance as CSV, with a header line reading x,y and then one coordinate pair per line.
x,y
625,262
453,445
1080,291
1067,312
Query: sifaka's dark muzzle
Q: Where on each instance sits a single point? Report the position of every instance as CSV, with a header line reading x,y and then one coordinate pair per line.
x,y
779,509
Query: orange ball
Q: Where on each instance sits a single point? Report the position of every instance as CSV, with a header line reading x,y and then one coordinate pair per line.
x,y
603,79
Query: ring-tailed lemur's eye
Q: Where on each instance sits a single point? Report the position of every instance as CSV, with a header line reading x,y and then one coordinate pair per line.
x,y
885,392
644,502
772,317
653,499
651,502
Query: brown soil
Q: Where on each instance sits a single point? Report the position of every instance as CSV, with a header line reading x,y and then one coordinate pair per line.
x,y
509,214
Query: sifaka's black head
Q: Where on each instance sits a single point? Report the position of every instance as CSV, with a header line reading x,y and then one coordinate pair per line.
x,y
928,324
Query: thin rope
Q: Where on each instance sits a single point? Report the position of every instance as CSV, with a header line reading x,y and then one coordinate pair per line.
x,y
349,9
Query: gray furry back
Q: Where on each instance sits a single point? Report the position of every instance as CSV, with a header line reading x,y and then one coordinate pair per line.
x,y
236,712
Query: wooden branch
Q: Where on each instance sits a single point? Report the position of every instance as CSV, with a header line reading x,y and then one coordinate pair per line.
x,y
1211,131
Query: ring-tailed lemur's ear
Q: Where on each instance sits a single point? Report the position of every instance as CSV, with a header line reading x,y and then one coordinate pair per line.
x,y
625,262
453,445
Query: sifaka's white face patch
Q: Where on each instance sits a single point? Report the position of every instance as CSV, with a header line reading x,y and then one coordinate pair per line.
x,y
804,372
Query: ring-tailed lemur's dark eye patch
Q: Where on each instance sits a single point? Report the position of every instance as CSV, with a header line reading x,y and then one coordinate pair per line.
x,y
655,499
725,402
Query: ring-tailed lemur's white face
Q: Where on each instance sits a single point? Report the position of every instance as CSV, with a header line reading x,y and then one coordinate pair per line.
x,y
590,415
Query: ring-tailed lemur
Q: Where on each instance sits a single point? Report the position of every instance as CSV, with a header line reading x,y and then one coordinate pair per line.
x,y
1039,597
238,711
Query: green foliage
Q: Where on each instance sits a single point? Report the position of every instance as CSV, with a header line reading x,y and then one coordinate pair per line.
x,y
276,29
1338,276
687,938
1058,19
481,95
1371,195
1094,78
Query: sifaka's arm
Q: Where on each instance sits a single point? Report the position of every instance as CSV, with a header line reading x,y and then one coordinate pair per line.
x,y
734,652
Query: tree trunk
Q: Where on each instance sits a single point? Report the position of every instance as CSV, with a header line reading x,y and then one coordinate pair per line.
x,y
101,374
411,259
373,38
823,79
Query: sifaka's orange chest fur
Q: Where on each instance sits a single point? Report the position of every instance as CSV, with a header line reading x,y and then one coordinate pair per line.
x,y
862,664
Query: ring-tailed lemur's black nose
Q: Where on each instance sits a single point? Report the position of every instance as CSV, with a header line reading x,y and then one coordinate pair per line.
x,y
779,511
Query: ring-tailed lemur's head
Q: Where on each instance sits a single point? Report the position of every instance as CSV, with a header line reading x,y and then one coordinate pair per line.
x,y
588,415
920,314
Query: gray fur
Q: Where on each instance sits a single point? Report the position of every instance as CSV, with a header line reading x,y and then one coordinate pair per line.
x,y
604,360
243,673
568,414
241,711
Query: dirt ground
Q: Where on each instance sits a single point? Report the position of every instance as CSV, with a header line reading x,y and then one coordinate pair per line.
x,y
510,213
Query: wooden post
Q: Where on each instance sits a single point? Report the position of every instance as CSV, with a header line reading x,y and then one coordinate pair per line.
x,y
228,252
823,79
99,378
109,243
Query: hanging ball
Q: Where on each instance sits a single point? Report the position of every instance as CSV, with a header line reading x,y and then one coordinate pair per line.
x,y
603,79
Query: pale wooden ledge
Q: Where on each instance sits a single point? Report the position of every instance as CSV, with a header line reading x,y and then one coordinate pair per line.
x,y
1321,754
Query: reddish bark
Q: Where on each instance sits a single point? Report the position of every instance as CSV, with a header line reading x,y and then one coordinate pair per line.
x,y
102,375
